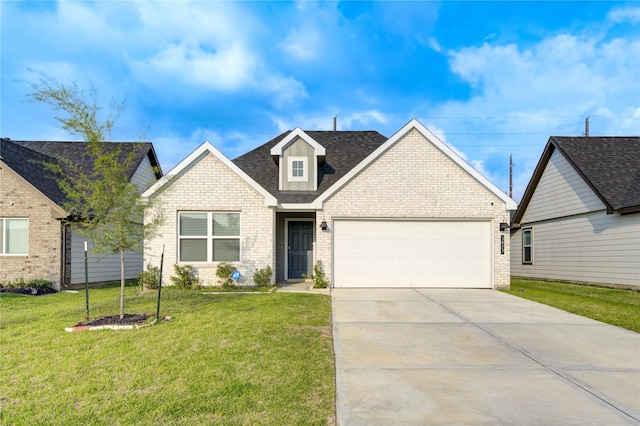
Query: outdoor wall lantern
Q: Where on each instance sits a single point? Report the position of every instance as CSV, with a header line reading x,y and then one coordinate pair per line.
x,y
504,226
323,225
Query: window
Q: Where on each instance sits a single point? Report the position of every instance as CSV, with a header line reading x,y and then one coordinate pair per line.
x,y
527,246
14,236
208,237
297,169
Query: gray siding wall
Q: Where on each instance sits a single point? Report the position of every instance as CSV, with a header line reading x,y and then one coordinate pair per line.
x,y
106,267
102,267
560,192
593,247
144,177
298,148
573,237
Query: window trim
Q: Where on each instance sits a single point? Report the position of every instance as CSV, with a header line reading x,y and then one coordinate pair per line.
x,y
3,241
530,246
210,238
305,172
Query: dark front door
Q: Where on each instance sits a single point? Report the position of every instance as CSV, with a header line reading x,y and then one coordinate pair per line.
x,y
300,249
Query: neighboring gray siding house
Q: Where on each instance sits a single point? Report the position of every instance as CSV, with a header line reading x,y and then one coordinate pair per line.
x,y
579,219
36,241
404,211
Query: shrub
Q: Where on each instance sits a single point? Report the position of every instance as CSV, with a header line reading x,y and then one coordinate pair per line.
x,y
224,273
31,283
149,279
262,277
319,280
184,277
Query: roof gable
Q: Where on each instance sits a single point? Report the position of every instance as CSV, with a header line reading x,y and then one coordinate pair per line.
x,y
415,124
208,148
610,165
343,151
298,133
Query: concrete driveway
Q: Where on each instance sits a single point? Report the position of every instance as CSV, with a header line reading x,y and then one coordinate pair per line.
x,y
469,357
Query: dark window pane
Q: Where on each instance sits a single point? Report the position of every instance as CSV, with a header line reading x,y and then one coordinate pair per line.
x,y
193,250
226,224
193,224
226,250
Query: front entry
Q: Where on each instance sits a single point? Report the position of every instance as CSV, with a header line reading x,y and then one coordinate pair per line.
x,y
300,249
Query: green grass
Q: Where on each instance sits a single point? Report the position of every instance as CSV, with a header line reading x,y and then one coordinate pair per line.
x,y
224,359
614,306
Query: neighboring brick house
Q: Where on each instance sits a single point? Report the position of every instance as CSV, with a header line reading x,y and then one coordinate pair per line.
x,y
579,219
404,211
36,241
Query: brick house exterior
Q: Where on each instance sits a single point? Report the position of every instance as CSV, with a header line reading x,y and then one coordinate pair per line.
x,y
19,199
48,248
365,206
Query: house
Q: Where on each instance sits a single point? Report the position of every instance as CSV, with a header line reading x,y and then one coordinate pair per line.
x,y
36,241
579,219
405,211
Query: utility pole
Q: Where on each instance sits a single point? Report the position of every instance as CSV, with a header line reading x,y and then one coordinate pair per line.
x,y
510,175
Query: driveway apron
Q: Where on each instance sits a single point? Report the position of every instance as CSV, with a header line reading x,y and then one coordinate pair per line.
x,y
473,357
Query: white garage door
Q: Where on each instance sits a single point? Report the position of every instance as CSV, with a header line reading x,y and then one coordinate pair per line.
x,y
394,253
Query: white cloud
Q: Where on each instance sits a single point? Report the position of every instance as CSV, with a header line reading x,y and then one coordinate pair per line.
x,y
302,44
357,120
625,14
522,96
227,69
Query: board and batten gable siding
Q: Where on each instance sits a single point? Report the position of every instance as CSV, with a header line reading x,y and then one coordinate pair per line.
x,y
298,148
102,267
593,247
414,179
560,192
207,184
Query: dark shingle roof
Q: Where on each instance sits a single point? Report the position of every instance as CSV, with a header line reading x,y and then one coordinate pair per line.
x,y
344,150
27,158
30,165
610,165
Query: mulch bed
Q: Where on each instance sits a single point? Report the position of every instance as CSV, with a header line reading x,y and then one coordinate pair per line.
x,y
113,322
129,319
28,291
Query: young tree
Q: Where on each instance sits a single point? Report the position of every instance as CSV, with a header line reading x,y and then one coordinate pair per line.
x,y
101,201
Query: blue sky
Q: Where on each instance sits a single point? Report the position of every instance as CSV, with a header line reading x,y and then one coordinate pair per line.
x,y
489,78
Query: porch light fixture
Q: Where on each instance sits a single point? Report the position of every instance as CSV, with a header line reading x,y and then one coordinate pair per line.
x,y
323,225
504,226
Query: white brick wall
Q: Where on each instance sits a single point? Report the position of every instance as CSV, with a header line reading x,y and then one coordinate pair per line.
x,y
209,185
414,179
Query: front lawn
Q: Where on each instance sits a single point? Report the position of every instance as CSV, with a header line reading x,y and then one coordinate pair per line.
x,y
262,358
614,306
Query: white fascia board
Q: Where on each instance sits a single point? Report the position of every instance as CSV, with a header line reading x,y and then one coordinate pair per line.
x,y
298,133
313,206
207,147
415,124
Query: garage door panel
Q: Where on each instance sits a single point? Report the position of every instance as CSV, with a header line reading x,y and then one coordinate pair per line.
x,y
422,253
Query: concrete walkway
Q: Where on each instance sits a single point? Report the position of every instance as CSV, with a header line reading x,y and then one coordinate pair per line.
x,y
301,287
474,357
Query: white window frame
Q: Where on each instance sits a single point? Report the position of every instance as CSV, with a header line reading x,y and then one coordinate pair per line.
x,y
3,242
305,167
530,246
210,238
